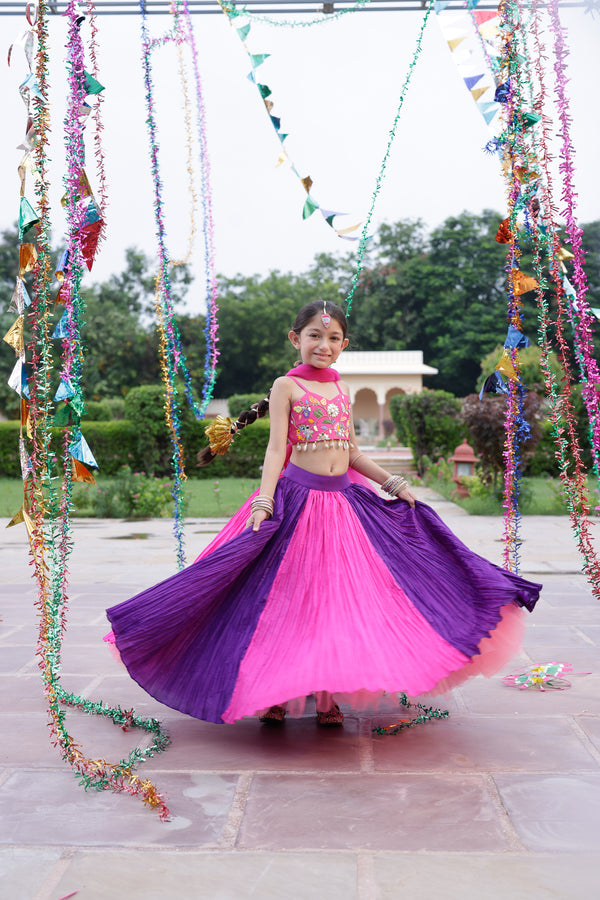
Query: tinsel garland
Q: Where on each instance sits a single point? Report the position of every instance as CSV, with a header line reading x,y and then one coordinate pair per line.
x,y
380,176
171,350
581,312
174,344
98,124
562,413
514,150
323,18
49,525
171,407
427,714
211,327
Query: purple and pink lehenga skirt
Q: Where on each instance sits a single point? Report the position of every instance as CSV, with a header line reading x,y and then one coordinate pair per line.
x,y
341,591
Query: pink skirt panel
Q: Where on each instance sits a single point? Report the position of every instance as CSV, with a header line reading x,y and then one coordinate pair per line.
x,y
352,630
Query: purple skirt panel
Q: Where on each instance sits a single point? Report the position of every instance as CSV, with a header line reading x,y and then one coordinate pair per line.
x,y
340,591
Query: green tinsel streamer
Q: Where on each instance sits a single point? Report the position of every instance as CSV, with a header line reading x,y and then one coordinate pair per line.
x,y
428,713
379,180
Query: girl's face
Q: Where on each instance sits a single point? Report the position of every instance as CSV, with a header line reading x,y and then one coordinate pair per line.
x,y
319,346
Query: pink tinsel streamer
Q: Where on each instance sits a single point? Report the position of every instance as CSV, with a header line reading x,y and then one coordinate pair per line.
x,y
582,315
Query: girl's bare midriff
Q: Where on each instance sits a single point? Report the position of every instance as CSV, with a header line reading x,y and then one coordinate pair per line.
x,y
314,457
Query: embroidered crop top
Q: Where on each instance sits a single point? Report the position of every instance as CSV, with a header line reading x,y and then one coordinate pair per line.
x,y
315,419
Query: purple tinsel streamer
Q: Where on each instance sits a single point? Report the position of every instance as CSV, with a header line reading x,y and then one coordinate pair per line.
x,y
583,315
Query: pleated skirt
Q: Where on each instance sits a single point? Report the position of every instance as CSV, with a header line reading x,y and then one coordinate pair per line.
x,y
341,591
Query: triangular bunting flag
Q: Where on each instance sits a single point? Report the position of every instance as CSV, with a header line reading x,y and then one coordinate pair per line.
x,y
91,85
243,31
265,90
481,16
80,450
439,5
18,518
476,93
257,59
472,80
14,336
62,266
503,235
15,379
27,216
515,339
281,158
62,327
505,366
351,228
563,254
453,44
27,258
493,384
522,283
309,207
595,311
276,122
65,415
20,298
90,235
64,390
489,114
26,467
307,183
80,473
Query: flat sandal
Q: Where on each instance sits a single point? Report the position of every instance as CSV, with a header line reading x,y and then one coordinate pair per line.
x,y
275,715
332,718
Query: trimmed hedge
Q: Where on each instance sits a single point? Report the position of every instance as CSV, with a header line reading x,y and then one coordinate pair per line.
x,y
112,443
119,443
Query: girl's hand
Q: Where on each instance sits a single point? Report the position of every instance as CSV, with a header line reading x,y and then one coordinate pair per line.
x,y
408,497
257,518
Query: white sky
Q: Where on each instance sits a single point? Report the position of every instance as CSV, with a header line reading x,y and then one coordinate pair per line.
x,y
336,89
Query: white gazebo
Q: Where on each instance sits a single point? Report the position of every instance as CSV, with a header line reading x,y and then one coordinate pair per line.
x,y
374,376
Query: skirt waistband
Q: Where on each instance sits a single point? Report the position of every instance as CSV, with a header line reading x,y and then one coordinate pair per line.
x,y
316,482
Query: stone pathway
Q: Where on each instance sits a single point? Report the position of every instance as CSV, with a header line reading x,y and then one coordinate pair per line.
x,y
502,799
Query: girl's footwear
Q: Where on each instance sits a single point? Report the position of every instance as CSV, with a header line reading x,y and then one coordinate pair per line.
x,y
275,715
332,718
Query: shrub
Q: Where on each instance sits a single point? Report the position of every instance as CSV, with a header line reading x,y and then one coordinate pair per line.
x,y
238,402
428,423
133,495
485,422
116,407
97,411
144,408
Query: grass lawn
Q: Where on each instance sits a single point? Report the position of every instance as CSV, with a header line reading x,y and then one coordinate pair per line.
x,y
220,498
539,496
204,498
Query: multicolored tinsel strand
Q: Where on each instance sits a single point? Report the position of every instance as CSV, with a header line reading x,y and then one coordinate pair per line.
x,y
48,525
427,714
172,355
379,180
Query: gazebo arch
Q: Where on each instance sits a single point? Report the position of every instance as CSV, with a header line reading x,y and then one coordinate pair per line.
x,y
375,376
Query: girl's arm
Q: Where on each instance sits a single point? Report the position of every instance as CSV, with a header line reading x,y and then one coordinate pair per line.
x,y
279,412
370,469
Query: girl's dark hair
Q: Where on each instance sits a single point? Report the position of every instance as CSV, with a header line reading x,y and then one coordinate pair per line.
x,y
316,308
258,410
246,417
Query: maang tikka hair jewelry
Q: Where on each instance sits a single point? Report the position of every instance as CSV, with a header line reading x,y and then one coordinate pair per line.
x,y
325,317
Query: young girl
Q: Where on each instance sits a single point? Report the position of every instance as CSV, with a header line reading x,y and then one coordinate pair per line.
x,y
325,588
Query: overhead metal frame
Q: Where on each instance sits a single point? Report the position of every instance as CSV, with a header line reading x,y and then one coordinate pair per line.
x,y
260,7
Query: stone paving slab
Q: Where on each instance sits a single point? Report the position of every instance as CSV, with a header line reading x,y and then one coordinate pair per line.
x,y
375,812
502,799
496,877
